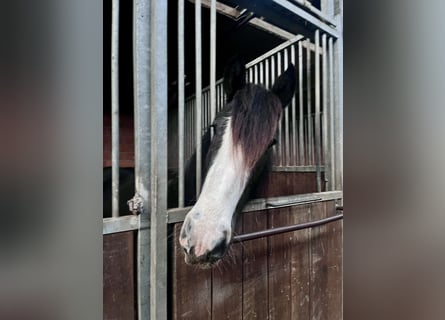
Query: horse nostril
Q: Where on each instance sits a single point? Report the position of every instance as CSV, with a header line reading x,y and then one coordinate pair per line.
x,y
219,250
191,251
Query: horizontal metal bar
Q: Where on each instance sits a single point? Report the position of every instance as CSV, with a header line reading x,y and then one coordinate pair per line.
x,y
119,224
178,214
322,16
308,17
339,208
269,27
275,231
296,168
236,14
274,50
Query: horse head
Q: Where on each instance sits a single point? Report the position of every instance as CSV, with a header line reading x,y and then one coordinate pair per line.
x,y
244,131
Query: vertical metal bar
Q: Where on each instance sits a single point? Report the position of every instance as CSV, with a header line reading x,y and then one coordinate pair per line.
x,y
250,75
203,110
222,98
115,109
309,101
266,74
142,132
181,103
338,112
198,94
261,81
317,109
326,155
212,62
331,115
218,103
158,109
256,73
286,118
300,103
273,76
280,124
294,116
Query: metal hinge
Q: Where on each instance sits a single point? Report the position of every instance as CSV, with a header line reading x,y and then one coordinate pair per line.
x,y
136,204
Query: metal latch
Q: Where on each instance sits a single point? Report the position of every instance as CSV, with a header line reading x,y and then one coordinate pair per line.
x,y
136,204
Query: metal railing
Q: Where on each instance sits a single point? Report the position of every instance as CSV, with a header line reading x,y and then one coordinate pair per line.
x,y
304,137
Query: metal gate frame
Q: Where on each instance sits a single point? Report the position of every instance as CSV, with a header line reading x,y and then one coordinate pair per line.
x,y
150,82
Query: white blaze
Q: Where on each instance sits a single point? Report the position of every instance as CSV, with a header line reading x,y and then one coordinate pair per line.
x,y
222,189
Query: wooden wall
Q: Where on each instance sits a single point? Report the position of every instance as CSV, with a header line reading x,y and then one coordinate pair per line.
x,y
296,275
119,276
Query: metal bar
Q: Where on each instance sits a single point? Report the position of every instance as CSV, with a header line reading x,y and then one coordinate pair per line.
x,y
297,168
235,14
320,14
115,109
300,103
309,103
120,224
181,97
286,118
308,17
326,155
272,77
331,115
338,131
280,230
261,77
280,124
274,50
266,80
212,63
294,116
142,156
198,93
178,214
269,27
158,194
317,109
255,73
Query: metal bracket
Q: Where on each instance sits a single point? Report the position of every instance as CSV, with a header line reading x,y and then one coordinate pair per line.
x,y
136,204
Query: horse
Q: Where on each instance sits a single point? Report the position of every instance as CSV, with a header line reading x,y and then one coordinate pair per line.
x,y
233,161
244,132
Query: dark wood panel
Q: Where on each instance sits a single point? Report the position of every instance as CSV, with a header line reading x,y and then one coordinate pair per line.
x,y
335,265
319,265
279,267
255,268
300,265
192,287
295,275
118,276
276,184
227,283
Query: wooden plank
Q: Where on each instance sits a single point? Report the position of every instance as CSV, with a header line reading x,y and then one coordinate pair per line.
x,y
118,276
276,184
300,263
227,283
255,268
191,286
334,291
279,267
318,265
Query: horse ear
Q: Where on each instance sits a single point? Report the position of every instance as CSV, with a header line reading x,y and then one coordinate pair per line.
x,y
284,86
234,76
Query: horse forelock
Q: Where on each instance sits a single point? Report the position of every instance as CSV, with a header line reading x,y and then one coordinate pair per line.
x,y
254,118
